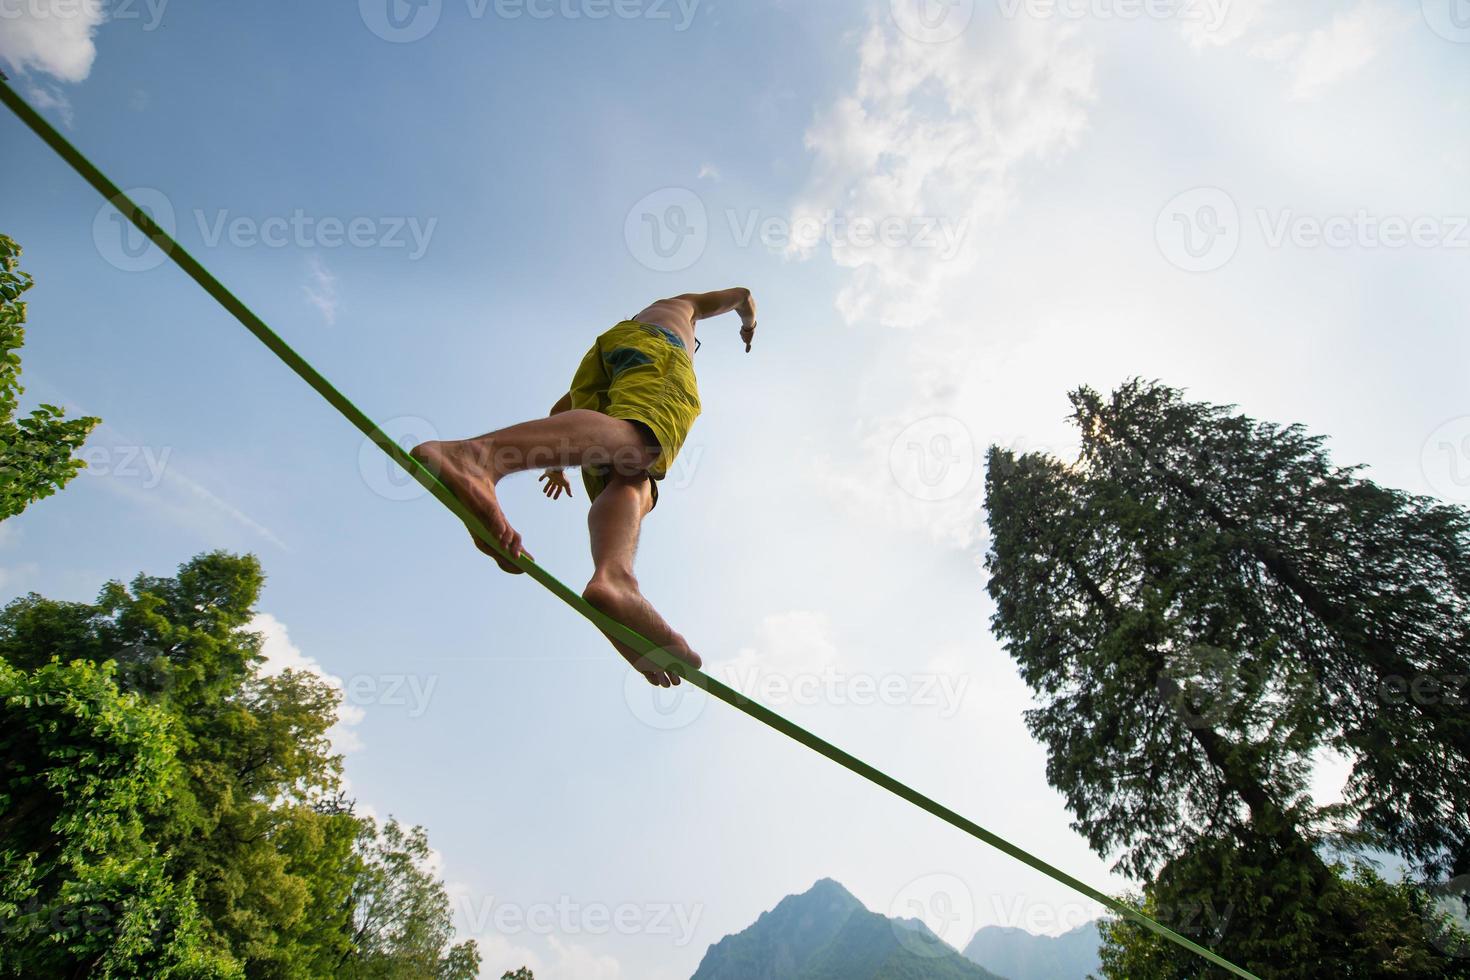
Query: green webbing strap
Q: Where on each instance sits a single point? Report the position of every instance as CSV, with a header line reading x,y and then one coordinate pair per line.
x,y
661,658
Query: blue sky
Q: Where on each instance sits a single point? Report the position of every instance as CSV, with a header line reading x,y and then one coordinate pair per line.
x,y
1205,193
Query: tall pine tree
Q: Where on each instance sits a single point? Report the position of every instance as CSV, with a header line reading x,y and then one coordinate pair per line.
x,y
1202,602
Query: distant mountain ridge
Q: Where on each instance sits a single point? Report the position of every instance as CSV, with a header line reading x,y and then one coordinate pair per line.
x,y
1020,955
827,934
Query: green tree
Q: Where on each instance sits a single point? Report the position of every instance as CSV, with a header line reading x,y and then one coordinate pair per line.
x,y
522,974
36,451
253,754
83,891
1403,936
1361,593
1186,600
256,830
402,913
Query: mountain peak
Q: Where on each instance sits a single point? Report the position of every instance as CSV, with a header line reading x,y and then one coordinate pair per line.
x,y
1022,955
825,933
827,889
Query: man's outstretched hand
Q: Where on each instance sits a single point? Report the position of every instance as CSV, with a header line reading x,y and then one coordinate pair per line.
x,y
556,483
747,334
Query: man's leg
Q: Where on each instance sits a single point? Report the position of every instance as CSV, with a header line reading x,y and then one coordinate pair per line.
x,y
613,524
471,468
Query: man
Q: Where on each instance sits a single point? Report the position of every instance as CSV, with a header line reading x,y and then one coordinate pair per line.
x,y
629,410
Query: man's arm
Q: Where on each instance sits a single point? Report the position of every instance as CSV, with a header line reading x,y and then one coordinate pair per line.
x,y
722,301
737,299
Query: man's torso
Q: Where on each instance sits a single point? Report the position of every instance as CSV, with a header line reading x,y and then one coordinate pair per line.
x,y
672,314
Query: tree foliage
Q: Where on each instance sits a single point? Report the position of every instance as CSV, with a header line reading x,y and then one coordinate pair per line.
x,y
213,788
1402,935
401,912
1203,603
37,450
82,890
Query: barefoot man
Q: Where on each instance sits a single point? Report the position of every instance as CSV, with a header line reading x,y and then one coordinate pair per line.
x,y
630,407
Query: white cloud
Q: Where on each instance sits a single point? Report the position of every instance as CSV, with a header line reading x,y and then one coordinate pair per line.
x,y
51,36
951,130
1333,53
321,289
500,955
709,171
578,961
1228,24
798,642
937,133
1278,49
45,96
281,655
1317,57
930,136
1330,772
918,465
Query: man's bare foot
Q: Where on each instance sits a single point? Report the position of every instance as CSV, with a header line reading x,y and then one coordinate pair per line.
x,y
500,559
622,601
460,468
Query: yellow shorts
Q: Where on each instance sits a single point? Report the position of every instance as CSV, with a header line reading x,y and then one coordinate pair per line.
x,y
642,373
